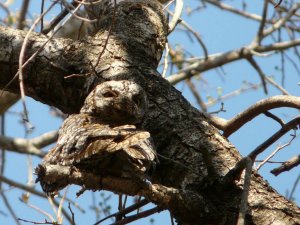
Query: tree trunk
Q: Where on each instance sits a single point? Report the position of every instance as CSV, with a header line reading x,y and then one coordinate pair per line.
x,y
194,156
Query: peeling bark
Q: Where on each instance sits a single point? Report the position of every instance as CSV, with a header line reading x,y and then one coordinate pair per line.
x,y
195,156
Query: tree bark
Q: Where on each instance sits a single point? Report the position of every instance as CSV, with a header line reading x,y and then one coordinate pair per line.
x,y
194,156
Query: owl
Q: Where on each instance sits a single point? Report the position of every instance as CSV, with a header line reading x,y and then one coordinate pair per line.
x,y
103,139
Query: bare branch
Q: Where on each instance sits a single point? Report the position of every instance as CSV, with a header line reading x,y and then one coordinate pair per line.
x,y
33,191
282,21
10,209
275,151
139,215
31,146
286,166
125,211
259,35
277,119
234,10
20,145
221,59
260,107
22,16
286,128
236,171
45,139
176,15
260,73
196,95
279,87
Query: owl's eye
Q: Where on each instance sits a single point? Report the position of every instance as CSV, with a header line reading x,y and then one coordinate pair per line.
x,y
137,100
110,94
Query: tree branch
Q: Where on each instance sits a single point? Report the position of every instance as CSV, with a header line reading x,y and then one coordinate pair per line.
x,y
221,59
25,146
287,166
262,106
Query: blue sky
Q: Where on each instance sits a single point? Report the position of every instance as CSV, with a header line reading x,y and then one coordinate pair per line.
x,y
221,32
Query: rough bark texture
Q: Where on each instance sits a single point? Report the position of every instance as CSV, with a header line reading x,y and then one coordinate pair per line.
x,y
189,184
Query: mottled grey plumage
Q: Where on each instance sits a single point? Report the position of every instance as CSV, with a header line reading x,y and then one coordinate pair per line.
x,y
117,102
102,138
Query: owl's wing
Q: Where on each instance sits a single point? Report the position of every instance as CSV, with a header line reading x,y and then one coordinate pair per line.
x,y
99,148
121,151
76,133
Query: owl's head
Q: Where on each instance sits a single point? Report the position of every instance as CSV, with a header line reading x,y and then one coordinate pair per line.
x,y
119,102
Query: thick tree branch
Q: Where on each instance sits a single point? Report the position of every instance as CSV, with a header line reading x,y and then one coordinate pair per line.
x,y
180,132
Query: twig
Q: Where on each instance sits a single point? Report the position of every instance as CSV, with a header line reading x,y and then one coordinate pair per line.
x,y
172,219
176,15
229,8
280,88
235,173
278,4
73,12
196,35
275,151
286,128
5,8
137,216
22,15
72,213
42,11
59,217
10,209
196,95
281,21
294,188
217,60
35,192
125,210
34,222
286,166
260,72
57,19
259,35
21,62
164,72
277,119
39,210
239,91
3,155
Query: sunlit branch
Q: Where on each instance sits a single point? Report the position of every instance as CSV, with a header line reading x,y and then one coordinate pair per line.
x,y
275,151
260,73
286,166
234,10
259,35
236,171
22,16
125,211
282,21
33,191
221,59
260,107
28,146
